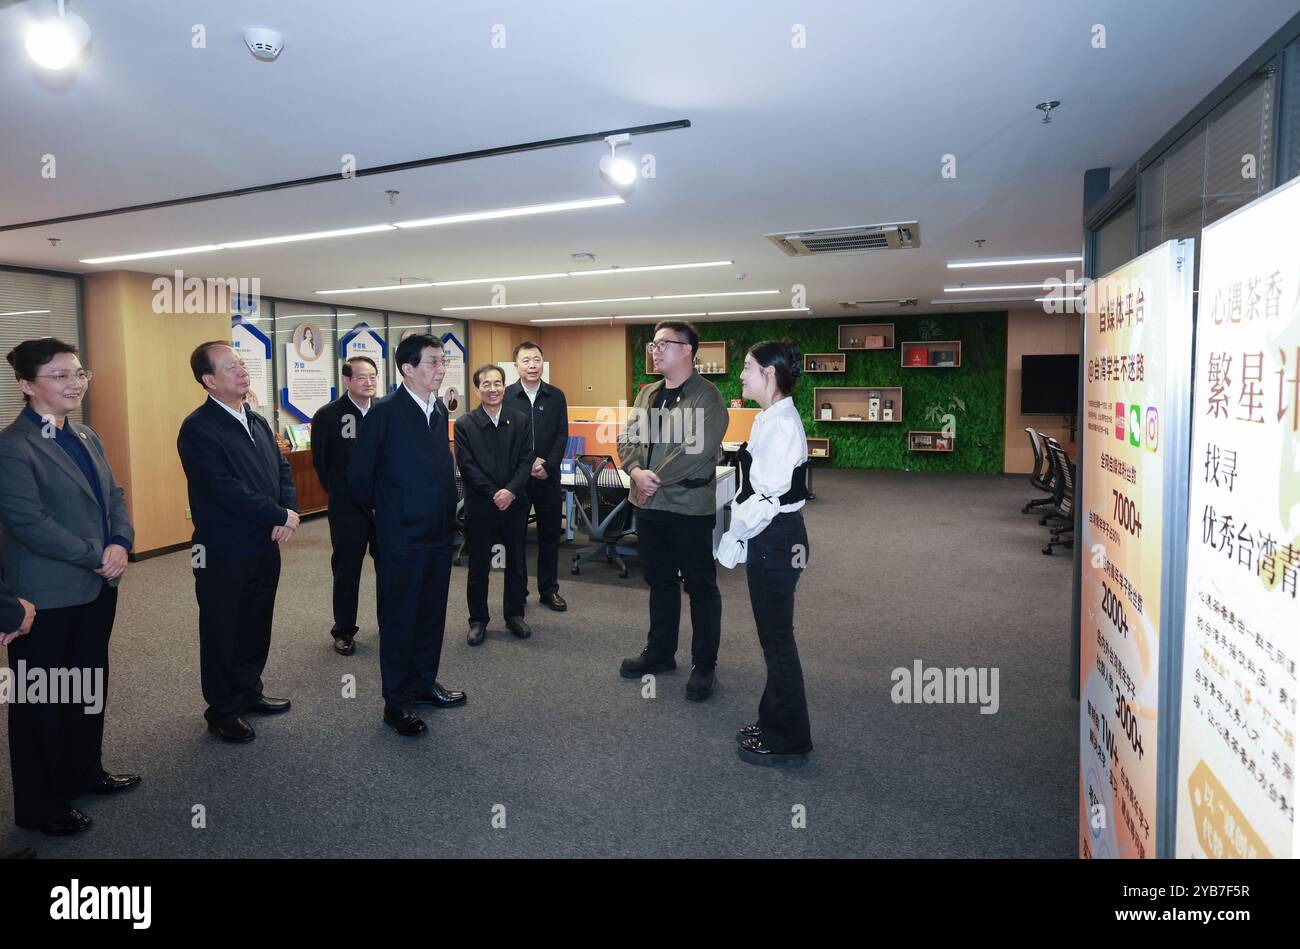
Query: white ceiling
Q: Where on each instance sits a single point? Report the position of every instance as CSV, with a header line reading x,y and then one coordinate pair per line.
x,y
849,130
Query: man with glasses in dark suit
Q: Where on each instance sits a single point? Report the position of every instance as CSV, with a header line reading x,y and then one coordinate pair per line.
x,y
402,469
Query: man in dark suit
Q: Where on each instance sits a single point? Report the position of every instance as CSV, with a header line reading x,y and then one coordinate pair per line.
x,y
334,431
243,504
548,417
402,470
494,451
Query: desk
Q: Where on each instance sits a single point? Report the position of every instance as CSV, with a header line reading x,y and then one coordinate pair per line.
x,y
724,489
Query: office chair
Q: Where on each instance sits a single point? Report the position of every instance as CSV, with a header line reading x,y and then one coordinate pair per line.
x,y
1062,533
459,543
602,505
1041,477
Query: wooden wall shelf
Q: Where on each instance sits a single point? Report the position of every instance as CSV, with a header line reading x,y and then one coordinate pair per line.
x,y
710,359
854,404
825,362
819,448
856,335
930,441
928,354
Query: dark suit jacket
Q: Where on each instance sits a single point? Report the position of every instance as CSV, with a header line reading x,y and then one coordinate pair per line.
x,y
549,417
402,470
491,460
239,488
51,523
11,611
330,450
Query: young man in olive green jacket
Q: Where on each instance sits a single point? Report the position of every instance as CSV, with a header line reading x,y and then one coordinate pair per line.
x,y
670,449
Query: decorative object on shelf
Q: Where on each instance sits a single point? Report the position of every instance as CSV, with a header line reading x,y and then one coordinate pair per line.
x,y
873,407
737,403
916,356
943,357
812,364
827,413
888,415
875,342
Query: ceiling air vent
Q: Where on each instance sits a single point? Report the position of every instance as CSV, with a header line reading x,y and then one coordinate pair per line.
x,y
848,240
863,304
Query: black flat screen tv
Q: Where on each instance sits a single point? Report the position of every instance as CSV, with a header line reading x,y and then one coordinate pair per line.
x,y
1049,385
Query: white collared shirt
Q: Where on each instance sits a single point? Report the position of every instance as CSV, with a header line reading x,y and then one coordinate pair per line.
x,y
359,408
426,407
242,414
531,393
778,446
496,420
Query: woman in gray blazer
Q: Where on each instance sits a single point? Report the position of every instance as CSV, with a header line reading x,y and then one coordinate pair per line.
x,y
64,537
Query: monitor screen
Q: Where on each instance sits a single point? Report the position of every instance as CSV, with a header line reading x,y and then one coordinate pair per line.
x,y
1049,385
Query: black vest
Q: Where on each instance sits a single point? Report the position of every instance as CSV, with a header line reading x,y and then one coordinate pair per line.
x,y
798,479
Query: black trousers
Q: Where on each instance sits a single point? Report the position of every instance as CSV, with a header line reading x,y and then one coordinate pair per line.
x,y
666,549
482,534
55,748
413,585
774,562
236,593
352,531
547,499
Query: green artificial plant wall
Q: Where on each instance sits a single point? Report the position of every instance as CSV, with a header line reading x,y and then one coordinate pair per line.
x,y
974,393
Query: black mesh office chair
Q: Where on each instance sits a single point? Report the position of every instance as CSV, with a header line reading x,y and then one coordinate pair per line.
x,y
460,518
601,505
1041,478
1063,512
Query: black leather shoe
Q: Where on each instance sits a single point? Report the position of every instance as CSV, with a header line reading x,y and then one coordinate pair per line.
x,y
27,853
749,731
517,626
476,633
70,823
344,646
554,601
701,684
112,783
646,664
233,729
441,697
753,751
406,724
268,706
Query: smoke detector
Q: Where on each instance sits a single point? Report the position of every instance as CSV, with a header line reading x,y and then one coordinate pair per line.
x,y
263,43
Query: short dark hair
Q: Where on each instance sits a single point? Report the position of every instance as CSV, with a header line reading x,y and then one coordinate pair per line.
x,y
347,365
784,356
686,329
488,367
201,360
412,348
31,354
526,344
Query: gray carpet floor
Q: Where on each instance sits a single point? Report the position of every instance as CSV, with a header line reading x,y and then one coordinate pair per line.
x,y
575,762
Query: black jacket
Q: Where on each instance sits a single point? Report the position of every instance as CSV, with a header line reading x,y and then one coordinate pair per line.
x,y
549,418
238,488
331,449
11,611
402,469
491,459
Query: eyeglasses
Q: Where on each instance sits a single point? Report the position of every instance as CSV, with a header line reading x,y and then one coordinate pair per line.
x,y
660,345
63,378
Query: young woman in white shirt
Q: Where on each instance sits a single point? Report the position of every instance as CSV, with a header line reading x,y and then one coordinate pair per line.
x,y
767,534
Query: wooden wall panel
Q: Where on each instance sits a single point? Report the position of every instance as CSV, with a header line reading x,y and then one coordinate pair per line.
x,y
1033,332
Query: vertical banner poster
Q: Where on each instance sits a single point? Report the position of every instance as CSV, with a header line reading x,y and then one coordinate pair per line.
x,y
453,383
254,348
361,340
309,371
1132,476
1237,752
